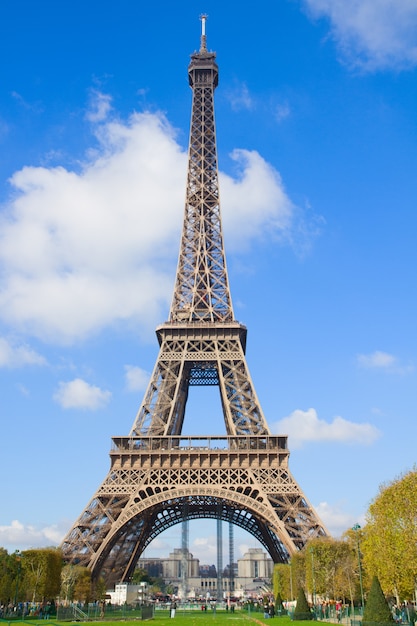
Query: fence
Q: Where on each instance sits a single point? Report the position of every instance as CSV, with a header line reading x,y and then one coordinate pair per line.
x,y
99,611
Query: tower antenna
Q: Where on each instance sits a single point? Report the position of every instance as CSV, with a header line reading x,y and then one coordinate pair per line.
x,y
203,46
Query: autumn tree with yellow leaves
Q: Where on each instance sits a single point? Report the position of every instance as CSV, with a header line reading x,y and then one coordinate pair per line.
x,y
389,543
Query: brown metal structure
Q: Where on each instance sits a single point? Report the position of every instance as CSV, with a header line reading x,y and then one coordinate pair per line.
x,y
158,477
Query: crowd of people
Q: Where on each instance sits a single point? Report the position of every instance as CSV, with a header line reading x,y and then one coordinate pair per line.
x,y
42,610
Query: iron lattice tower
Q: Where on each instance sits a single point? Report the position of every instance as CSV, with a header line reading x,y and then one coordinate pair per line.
x,y
158,477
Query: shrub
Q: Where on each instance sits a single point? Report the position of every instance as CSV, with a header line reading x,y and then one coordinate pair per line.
x,y
302,610
376,608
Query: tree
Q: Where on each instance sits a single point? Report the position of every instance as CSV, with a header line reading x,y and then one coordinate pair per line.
x,y
69,576
9,577
330,568
83,591
376,608
159,583
140,575
77,584
298,571
281,580
99,589
390,539
41,573
302,610
169,590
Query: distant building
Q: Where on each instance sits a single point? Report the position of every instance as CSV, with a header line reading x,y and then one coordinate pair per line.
x,y
255,564
170,569
153,567
208,571
124,593
250,575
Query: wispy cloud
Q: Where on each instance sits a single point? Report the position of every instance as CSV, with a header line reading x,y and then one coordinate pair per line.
x,y
206,545
303,426
78,394
378,360
84,250
99,106
12,355
136,378
240,97
383,361
35,107
336,520
371,34
282,111
19,536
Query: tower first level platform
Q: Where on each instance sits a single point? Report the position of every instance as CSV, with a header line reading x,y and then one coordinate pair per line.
x,y
154,482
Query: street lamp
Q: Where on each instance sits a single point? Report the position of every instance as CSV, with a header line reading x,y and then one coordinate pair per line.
x,y
357,528
313,579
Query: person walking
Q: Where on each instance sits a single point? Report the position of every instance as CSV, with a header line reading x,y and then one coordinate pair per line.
x,y
173,608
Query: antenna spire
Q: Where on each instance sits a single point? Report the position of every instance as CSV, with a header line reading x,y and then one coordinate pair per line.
x,y
203,46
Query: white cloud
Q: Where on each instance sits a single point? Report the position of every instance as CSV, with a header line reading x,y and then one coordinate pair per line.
x,y
160,545
256,201
100,106
336,520
22,389
18,356
383,361
81,251
282,111
30,106
18,536
78,394
378,360
136,378
302,426
240,98
372,34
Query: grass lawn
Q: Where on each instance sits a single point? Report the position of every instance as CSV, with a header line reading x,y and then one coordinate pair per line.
x,y
185,618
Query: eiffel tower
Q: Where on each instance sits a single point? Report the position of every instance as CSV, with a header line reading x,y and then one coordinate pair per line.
x,y
158,477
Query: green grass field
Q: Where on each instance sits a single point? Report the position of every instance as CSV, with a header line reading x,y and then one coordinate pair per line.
x,y
182,618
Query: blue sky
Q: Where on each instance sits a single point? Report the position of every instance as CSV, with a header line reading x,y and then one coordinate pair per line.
x,y
317,144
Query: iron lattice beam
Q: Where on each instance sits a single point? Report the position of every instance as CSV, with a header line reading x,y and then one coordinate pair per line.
x,y
157,477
